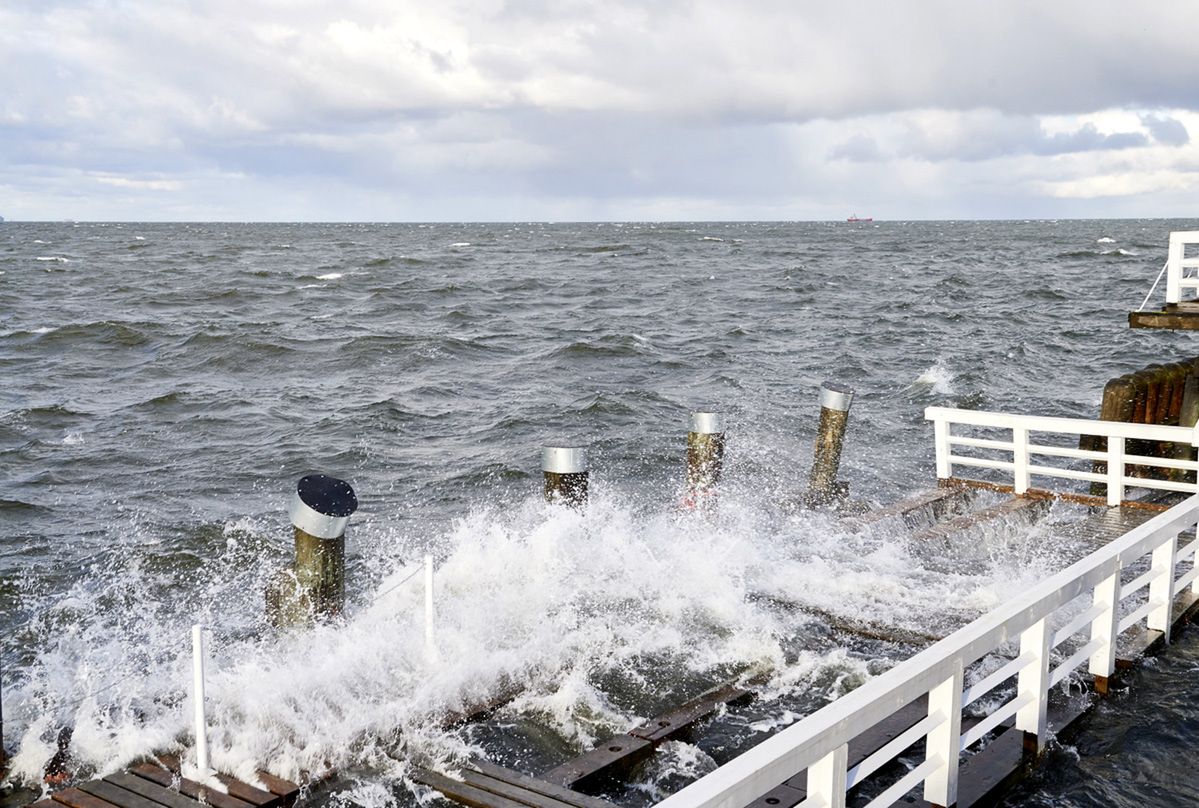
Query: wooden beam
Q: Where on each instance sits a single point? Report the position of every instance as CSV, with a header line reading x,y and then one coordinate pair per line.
x,y
1039,493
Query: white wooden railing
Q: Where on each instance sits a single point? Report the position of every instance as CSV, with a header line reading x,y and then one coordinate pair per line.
x,y
1177,263
1027,459
1041,620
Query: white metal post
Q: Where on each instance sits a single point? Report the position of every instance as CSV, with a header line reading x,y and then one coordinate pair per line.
x,y
1174,268
826,778
944,741
1161,586
1115,471
941,440
430,645
1020,459
1105,626
198,698
1033,681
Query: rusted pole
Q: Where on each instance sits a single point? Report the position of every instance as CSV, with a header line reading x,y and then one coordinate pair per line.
x,y
823,487
705,458
315,588
1119,399
565,469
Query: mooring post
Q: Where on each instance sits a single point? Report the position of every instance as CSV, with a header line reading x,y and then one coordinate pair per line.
x,y
201,719
705,458
565,469
316,587
823,486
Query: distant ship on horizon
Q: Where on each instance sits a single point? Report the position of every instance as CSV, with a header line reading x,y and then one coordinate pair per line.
x,y
855,218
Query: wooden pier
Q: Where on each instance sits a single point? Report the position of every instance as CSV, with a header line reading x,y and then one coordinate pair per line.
x,y
159,785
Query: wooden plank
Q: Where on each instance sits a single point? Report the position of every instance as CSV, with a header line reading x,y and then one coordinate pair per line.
x,y
1175,320
614,753
151,791
236,788
566,795
678,720
463,793
515,793
965,522
781,796
117,795
190,788
937,500
285,789
74,798
46,803
1042,494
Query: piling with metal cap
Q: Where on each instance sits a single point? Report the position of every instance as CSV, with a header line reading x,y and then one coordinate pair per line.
x,y
823,486
705,458
316,587
565,469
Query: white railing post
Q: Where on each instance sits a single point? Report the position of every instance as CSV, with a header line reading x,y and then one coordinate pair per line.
x,y
1161,586
944,741
1033,681
1115,471
198,698
826,778
1104,629
941,439
430,642
1174,268
1020,458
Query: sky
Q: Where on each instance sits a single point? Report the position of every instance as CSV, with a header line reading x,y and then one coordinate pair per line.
x,y
357,110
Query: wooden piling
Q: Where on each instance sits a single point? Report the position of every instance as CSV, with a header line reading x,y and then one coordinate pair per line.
x,y
565,470
315,587
705,458
3,752
823,486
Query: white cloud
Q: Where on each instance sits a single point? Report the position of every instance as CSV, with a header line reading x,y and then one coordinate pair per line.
x,y
530,109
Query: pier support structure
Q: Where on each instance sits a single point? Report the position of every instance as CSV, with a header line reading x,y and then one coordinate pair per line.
x,y
566,476
705,458
315,587
823,486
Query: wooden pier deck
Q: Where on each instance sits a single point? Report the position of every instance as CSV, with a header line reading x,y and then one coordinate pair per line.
x,y
159,785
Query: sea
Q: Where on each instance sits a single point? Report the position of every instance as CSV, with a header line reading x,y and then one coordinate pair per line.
x,y
164,386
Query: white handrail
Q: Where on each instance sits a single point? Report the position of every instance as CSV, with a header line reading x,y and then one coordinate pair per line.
x,y
1023,451
1177,261
818,742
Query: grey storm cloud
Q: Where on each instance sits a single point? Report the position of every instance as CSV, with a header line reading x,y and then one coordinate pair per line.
x,y
539,109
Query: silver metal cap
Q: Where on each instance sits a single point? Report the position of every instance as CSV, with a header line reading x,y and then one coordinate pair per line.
x,y
835,396
315,523
707,423
563,459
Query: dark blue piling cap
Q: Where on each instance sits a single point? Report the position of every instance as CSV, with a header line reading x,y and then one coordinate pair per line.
x,y
327,495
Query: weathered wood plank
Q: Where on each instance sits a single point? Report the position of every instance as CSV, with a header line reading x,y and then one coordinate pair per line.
x,y
614,753
117,795
163,777
566,795
236,788
681,718
936,500
462,793
151,791
284,789
74,798
945,530
516,793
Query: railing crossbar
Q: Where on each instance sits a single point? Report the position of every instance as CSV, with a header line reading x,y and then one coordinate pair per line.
x,y
1137,616
887,753
1076,625
1137,584
994,679
1073,661
905,784
1001,714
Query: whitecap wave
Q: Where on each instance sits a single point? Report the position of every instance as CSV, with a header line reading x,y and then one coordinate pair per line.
x,y
1105,240
331,276
938,378
56,258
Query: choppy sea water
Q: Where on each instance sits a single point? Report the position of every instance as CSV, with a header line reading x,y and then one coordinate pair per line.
x,y
165,385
